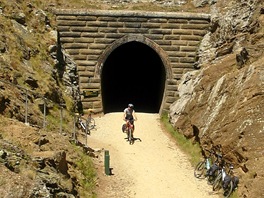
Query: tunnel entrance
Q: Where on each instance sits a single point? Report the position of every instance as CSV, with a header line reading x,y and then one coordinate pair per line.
x,y
133,73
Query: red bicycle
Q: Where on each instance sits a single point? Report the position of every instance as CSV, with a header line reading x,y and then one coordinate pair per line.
x,y
128,128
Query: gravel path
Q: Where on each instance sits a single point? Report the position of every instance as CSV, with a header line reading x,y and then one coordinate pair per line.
x,y
151,168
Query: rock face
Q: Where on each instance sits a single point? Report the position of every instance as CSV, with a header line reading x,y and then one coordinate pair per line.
x,y
223,102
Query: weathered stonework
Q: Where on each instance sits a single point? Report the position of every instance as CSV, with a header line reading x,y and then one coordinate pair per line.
x,y
91,36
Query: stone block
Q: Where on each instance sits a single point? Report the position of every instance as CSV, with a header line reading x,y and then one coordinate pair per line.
x,y
180,42
107,30
90,52
170,93
86,18
132,19
63,28
84,29
97,24
191,37
132,25
115,24
154,36
177,76
172,53
92,34
170,99
81,69
75,45
188,48
107,18
83,74
67,40
187,60
171,48
181,65
179,21
163,42
97,46
133,30
157,20
177,70
170,26
193,43
150,25
199,32
160,31
176,55
181,32
92,57
80,57
172,37
71,23
83,40
85,63
91,86
172,87
172,82
65,17
114,35
70,34
199,21
104,40
195,26
73,51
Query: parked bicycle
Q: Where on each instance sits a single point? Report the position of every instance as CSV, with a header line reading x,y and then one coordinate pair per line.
x,y
208,167
85,124
223,180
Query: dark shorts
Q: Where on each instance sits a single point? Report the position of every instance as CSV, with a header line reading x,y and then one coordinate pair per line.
x,y
130,120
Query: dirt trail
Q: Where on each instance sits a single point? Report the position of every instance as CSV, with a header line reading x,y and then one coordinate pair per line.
x,y
152,168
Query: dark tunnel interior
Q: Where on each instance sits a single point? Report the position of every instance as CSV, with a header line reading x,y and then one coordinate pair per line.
x,y
133,73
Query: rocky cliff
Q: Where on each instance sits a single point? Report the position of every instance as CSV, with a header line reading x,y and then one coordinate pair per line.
x,y
222,103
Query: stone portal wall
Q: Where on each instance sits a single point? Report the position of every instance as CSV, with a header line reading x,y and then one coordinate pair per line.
x,y
90,36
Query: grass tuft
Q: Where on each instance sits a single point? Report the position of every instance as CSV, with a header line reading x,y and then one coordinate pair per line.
x,y
192,150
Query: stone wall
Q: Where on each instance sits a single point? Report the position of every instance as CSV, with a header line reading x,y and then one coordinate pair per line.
x,y
90,37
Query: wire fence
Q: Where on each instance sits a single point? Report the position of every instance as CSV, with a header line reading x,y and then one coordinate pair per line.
x,y
45,101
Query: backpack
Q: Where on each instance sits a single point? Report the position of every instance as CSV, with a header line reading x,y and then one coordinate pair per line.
x,y
212,170
226,181
235,182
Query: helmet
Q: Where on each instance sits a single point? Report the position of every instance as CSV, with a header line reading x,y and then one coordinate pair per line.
x,y
131,105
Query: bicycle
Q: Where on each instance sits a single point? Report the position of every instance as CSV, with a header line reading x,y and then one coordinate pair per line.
x,y
206,168
223,180
128,128
85,124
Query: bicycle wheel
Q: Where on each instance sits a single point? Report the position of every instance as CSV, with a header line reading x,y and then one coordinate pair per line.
x,y
130,138
217,182
90,123
78,125
228,190
211,179
199,171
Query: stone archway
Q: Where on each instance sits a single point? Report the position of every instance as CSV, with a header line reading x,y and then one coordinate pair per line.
x,y
133,70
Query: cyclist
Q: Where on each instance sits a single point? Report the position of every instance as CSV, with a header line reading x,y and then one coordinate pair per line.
x,y
130,115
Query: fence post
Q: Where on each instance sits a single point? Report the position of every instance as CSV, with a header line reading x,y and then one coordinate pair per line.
x,y
74,127
44,119
107,162
26,111
61,117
